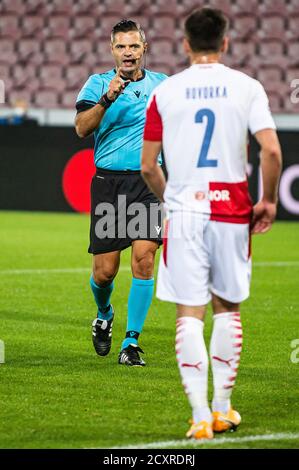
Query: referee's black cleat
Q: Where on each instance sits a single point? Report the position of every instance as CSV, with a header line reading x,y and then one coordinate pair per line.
x,y
102,335
129,356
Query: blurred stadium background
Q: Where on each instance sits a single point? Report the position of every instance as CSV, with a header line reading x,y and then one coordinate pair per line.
x,y
53,387
49,48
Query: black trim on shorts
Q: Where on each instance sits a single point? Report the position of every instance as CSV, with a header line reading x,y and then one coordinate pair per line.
x,y
104,171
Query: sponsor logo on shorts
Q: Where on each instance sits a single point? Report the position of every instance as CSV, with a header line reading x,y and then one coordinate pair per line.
x,y
213,195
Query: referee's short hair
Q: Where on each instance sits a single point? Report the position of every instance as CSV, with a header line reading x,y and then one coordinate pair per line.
x,y
205,29
124,26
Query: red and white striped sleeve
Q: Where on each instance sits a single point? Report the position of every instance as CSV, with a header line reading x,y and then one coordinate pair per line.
x,y
153,124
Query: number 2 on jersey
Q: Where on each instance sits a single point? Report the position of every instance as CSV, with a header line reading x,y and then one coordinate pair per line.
x,y
203,160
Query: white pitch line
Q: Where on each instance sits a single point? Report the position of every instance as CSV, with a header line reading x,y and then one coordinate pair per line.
x,y
53,270
212,443
276,264
126,268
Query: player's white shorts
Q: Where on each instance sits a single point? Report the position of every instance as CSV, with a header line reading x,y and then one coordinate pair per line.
x,y
201,257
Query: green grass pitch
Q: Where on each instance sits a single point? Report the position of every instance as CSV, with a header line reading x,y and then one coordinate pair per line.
x,y
56,393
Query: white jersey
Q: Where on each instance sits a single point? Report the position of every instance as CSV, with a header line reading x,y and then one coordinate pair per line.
x,y
203,115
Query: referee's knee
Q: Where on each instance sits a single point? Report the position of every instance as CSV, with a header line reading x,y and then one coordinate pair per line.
x,y
143,267
103,276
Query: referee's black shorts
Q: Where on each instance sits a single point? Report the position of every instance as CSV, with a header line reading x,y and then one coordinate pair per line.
x,y
122,210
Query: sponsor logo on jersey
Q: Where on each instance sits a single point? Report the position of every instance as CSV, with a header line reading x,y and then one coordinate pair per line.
x,y
213,195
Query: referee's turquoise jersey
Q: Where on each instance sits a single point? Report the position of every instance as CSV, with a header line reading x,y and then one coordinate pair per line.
x,y
119,137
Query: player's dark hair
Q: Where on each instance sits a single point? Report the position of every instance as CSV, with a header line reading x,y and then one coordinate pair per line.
x,y
124,26
205,29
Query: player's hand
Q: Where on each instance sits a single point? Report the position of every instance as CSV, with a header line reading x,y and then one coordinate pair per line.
x,y
264,214
116,86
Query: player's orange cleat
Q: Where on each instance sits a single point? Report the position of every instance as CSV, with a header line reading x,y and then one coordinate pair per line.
x,y
222,422
201,430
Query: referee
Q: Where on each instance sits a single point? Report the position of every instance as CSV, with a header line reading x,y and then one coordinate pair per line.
x,y
112,106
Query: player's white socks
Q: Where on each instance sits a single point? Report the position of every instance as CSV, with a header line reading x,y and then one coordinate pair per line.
x,y
225,350
192,358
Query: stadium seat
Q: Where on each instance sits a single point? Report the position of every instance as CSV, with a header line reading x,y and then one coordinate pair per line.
x,y
102,33
62,6
272,48
271,77
248,69
291,74
278,7
89,7
81,52
143,20
84,26
46,98
244,27
55,50
51,77
75,76
271,52
33,26
51,83
158,66
9,26
169,7
20,94
293,7
106,24
13,6
25,77
5,70
58,26
101,67
102,51
139,7
178,50
117,7
242,52
276,101
293,53
225,5
7,50
188,5
161,50
29,50
68,99
36,7
163,27
293,27
272,27
245,6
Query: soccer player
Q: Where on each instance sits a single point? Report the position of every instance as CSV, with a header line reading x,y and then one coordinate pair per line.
x,y
112,106
202,116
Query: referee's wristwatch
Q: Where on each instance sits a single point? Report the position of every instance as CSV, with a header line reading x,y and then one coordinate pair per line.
x,y
105,101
